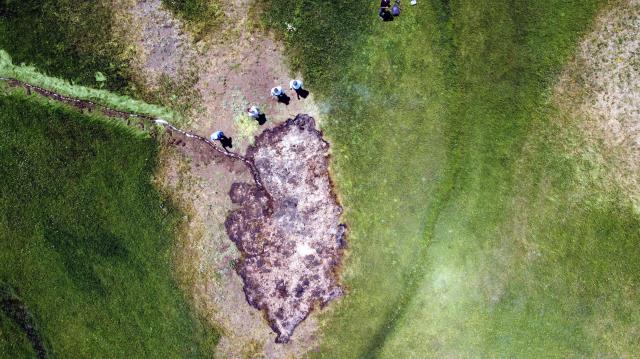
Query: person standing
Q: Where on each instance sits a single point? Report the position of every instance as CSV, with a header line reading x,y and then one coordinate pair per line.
x,y
296,85
395,10
217,136
224,140
255,113
279,94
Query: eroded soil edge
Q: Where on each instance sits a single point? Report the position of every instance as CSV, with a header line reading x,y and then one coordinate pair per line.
x,y
291,246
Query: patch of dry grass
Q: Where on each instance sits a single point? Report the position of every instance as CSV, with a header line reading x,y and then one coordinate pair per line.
x,y
599,101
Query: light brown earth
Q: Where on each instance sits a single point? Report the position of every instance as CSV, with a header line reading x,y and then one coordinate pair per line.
x,y
235,67
599,97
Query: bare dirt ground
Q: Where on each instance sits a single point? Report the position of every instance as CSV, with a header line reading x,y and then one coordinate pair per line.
x,y
235,67
599,94
166,48
208,262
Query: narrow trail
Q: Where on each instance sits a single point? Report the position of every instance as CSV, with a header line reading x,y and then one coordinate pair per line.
x,y
113,113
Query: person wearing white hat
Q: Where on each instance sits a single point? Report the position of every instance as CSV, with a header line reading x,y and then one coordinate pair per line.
x,y
277,91
224,140
295,85
279,94
217,136
254,112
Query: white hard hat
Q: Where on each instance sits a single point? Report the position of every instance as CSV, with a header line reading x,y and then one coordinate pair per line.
x,y
295,84
216,135
276,91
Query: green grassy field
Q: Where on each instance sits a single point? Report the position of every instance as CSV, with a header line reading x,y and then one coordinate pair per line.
x,y
13,343
468,235
86,240
68,39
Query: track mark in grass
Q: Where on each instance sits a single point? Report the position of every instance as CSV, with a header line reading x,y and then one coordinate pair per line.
x,y
17,311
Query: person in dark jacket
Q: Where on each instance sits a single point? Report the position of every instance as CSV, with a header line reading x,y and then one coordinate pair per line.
x,y
384,12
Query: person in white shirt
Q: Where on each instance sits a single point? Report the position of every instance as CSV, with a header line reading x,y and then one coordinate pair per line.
x,y
224,140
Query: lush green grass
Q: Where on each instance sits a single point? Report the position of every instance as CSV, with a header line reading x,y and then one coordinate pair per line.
x,y
69,39
86,240
203,16
468,237
13,342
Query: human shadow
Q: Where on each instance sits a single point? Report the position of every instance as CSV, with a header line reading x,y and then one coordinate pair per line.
x,y
284,99
226,142
302,93
262,119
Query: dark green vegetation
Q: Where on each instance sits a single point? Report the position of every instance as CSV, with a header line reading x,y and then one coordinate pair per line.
x,y
86,240
468,235
65,38
15,319
203,16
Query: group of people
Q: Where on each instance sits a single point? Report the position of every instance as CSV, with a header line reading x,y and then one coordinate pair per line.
x,y
255,112
388,12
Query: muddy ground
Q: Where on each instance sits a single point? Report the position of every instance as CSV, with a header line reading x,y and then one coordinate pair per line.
x,y
290,237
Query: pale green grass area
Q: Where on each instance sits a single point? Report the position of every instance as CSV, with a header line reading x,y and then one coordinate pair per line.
x,y
467,235
398,121
32,76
